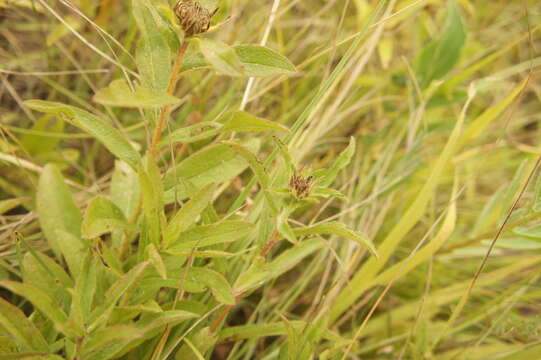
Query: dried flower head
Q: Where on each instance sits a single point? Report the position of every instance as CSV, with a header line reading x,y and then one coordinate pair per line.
x,y
194,18
300,186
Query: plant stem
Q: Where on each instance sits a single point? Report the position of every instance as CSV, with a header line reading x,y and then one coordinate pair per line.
x,y
170,90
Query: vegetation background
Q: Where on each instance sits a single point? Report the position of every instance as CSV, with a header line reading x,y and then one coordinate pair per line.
x,y
365,186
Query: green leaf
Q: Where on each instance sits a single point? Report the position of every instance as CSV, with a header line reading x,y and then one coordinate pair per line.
x,y
193,133
490,212
531,232
102,313
111,138
57,212
194,61
441,54
103,346
202,342
261,61
188,213
259,171
293,340
536,201
60,30
337,228
254,331
45,304
221,56
207,235
151,196
119,94
16,324
153,56
217,283
86,284
37,144
102,216
125,188
341,162
215,163
516,243
156,260
283,227
73,249
256,61
206,254
256,275
319,191
239,121
100,339
43,272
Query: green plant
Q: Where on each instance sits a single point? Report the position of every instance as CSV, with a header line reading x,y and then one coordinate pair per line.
x,y
134,256
191,199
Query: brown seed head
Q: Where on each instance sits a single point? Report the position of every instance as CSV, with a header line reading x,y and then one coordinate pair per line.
x,y
194,18
300,186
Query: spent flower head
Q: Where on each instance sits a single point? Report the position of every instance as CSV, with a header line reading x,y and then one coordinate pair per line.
x,y
194,18
300,186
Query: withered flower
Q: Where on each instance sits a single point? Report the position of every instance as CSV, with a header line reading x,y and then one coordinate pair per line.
x,y
194,18
300,186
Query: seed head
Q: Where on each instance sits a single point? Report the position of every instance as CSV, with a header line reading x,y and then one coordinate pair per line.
x,y
300,186
194,18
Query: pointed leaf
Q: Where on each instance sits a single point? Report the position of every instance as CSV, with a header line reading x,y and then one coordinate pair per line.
x,y
216,282
240,121
103,345
15,323
125,189
337,228
341,162
151,204
188,213
156,260
257,275
107,336
261,61
101,314
102,216
193,133
256,61
153,51
207,235
259,170
119,94
200,344
110,137
43,302
57,212
221,56
440,55
86,285
216,163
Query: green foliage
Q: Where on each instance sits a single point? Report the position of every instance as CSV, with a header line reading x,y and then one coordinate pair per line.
x,y
118,93
221,57
239,60
349,206
102,216
441,54
111,138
